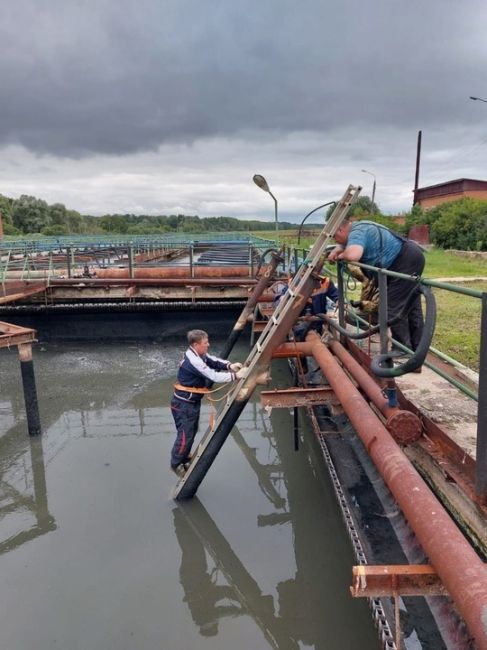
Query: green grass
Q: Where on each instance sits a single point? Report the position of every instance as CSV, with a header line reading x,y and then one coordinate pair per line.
x,y
440,264
457,330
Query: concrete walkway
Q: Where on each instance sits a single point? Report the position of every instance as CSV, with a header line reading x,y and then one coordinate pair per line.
x,y
460,279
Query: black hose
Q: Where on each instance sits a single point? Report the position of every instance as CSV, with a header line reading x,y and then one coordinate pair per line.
x,y
373,330
378,366
262,258
309,214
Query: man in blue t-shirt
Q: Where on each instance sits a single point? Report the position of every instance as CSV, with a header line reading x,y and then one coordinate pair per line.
x,y
376,245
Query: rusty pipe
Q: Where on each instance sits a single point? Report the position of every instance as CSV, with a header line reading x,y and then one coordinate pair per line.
x,y
177,272
405,426
155,282
459,567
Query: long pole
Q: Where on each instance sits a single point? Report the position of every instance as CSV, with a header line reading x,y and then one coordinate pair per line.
x,y
416,176
275,216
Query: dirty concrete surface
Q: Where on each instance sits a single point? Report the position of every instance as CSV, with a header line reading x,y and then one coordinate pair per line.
x,y
444,404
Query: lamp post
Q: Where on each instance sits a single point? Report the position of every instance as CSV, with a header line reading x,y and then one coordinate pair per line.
x,y
373,188
261,182
479,99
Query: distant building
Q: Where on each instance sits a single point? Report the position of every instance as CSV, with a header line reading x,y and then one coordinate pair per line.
x,y
397,219
433,195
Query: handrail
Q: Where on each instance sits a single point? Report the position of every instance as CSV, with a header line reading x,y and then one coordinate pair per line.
x,y
464,389
431,283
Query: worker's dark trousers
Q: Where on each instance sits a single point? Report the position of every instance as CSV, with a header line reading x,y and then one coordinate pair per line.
x,y
186,417
409,329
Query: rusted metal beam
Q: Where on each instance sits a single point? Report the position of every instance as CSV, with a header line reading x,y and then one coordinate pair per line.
x,y
290,397
287,351
153,282
11,335
259,325
80,293
12,291
459,567
23,337
396,580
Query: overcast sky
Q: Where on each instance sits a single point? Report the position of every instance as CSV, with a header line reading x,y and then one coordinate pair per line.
x,y
171,106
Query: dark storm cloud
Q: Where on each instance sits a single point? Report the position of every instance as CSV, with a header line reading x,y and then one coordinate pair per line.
x,y
117,76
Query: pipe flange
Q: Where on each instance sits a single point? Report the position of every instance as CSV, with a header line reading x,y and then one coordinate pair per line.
x,y
405,427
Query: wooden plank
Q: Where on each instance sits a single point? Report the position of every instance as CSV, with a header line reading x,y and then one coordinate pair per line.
x,y
290,397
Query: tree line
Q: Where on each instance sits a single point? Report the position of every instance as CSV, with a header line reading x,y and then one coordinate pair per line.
x,y
460,224
30,215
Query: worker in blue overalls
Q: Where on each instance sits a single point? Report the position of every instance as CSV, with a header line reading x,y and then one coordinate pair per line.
x,y
197,370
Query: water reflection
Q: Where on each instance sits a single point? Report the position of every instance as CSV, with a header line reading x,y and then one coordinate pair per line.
x,y
311,606
207,600
26,456
198,535
267,474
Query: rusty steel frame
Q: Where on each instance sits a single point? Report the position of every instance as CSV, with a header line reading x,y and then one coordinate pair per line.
x,y
380,581
18,290
454,460
153,282
290,397
459,567
15,335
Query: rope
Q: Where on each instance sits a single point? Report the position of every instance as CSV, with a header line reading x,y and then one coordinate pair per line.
x,y
207,392
193,389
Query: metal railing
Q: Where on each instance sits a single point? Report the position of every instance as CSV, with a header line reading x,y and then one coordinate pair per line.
x,y
81,257
480,396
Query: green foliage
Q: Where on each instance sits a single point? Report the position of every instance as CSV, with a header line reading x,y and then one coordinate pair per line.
x,y
10,229
458,224
57,213
30,215
416,217
364,208
461,224
6,209
384,221
55,230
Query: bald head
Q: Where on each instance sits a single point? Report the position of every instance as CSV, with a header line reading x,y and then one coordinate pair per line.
x,y
343,231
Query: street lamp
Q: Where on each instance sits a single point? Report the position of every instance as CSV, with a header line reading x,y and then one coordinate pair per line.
x,y
373,188
479,99
261,182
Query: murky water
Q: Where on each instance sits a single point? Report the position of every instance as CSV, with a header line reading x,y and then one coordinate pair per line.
x,y
94,554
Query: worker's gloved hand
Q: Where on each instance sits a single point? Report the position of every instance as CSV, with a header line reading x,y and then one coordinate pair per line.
x,y
235,367
242,373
